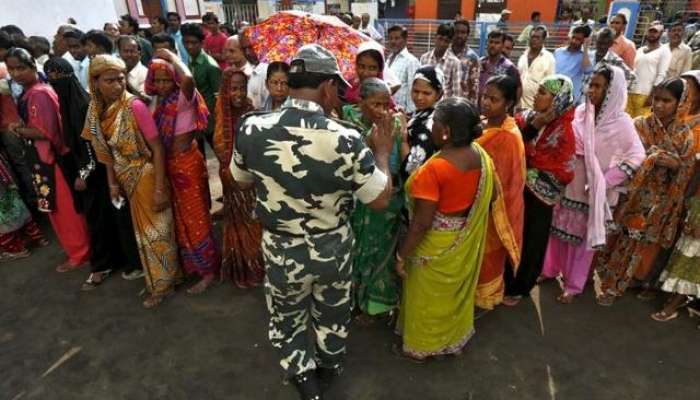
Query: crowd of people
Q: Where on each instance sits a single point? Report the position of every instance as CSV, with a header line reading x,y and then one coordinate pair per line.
x,y
423,192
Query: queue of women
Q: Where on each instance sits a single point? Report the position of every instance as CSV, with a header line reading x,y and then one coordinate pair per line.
x,y
488,200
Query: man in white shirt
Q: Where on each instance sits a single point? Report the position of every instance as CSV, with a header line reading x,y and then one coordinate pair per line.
x,y
586,19
40,50
369,30
130,52
602,56
234,56
257,90
681,54
403,65
77,55
651,66
534,65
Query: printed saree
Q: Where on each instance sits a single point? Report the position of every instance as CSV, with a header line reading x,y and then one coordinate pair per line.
x,y
188,176
376,285
437,305
118,142
241,255
650,216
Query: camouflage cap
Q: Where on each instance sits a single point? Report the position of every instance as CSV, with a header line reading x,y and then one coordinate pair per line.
x,y
318,59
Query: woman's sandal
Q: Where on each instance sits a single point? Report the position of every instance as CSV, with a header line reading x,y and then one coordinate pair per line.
x,y
154,300
91,283
661,316
7,256
566,298
398,352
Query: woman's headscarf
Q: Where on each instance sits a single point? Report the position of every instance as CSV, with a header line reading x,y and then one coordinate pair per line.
x,y
353,93
166,111
561,87
73,99
606,142
93,129
695,76
433,76
227,117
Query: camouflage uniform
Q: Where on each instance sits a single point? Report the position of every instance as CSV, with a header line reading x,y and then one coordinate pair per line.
x,y
307,170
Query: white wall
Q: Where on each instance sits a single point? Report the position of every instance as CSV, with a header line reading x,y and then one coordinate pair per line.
x,y
42,17
120,7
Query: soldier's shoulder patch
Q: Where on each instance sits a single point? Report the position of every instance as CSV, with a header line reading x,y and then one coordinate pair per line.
x,y
346,124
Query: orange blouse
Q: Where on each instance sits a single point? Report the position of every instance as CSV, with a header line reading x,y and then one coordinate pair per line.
x,y
441,182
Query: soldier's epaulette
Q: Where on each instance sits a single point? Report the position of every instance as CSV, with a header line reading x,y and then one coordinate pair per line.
x,y
346,124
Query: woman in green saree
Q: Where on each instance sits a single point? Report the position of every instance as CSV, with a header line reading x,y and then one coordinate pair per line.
x,y
376,285
440,258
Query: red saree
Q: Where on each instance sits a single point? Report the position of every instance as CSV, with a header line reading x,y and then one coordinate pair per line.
x,y
242,258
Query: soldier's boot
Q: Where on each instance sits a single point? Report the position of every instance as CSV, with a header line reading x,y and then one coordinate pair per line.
x,y
307,385
326,376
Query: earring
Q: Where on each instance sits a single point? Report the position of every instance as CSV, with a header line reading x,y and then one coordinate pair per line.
x,y
444,137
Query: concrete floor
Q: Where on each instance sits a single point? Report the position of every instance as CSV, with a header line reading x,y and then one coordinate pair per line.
x,y
215,347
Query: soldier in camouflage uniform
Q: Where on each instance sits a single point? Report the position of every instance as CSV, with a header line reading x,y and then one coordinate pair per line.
x,y
307,170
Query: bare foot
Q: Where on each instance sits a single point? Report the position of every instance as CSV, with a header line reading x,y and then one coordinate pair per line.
x,y
202,285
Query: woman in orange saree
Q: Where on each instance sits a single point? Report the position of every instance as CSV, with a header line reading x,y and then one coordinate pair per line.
x,y
503,141
242,259
125,139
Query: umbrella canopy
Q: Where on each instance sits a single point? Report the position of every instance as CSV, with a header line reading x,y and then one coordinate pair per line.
x,y
278,38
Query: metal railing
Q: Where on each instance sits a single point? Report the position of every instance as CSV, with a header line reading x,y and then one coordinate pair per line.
x,y
241,12
422,34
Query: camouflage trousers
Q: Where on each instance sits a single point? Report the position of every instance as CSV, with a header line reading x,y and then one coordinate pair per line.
x,y
308,278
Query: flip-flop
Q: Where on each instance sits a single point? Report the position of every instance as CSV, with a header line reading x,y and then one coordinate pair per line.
x,y
605,300
661,316
91,284
7,256
68,267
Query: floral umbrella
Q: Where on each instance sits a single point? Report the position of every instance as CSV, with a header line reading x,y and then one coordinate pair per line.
x,y
278,38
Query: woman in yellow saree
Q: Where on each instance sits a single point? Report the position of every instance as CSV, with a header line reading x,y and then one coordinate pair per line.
x,y
125,139
440,258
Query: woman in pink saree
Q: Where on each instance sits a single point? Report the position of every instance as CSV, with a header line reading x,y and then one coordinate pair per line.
x,y
41,124
608,152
